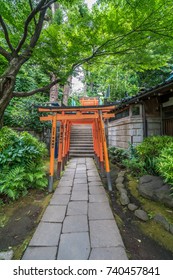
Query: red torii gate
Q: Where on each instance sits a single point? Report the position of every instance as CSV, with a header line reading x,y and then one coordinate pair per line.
x,y
67,116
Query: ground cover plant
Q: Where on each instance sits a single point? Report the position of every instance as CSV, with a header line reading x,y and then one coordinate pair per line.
x,y
21,163
153,156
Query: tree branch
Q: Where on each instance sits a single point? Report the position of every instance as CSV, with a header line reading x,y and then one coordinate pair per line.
x,y
5,53
38,90
6,33
48,4
38,29
30,4
120,37
38,8
156,32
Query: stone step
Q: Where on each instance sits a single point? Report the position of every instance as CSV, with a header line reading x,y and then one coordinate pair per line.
x,y
81,152
81,148
81,136
81,155
81,142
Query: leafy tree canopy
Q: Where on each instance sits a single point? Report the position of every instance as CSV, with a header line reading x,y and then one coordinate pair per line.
x,y
131,35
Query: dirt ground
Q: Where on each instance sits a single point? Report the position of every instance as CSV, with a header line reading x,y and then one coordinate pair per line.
x,y
19,219
139,246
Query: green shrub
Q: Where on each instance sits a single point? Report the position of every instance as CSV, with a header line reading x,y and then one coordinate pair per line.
x,y
136,167
7,137
20,149
165,164
21,163
21,113
152,146
117,154
150,149
12,182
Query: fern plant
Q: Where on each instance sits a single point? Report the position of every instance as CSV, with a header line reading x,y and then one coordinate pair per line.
x,y
21,163
13,184
164,164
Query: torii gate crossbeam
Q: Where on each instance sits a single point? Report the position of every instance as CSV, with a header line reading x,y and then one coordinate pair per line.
x,y
67,116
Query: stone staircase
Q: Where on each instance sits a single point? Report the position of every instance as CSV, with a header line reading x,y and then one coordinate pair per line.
x,y
81,141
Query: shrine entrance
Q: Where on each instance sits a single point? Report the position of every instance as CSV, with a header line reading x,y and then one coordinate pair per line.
x,y
69,116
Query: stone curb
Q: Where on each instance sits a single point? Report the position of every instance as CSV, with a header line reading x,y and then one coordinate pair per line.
x,y
139,213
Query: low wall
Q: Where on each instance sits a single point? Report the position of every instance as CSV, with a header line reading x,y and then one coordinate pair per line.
x,y
125,130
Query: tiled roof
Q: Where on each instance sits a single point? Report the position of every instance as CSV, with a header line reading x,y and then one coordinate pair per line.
x,y
156,90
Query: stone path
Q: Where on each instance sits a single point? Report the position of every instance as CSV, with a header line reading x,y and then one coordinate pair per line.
x,y
78,223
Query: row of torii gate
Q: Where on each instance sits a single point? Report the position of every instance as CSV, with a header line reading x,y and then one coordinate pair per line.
x,y
68,116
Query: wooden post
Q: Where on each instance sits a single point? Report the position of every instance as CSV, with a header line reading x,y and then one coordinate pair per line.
x,y
59,166
64,144
101,148
52,153
107,167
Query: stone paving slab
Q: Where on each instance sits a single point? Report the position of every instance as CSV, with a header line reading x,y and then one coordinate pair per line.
x,y
92,173
104,233
66,179
80,181
80,187
40,253
100,211
65,184
91,168
75,224
72,165
74,246
81,160
79,195
47,234
69,173
78,224
61,199
96,183
111,253
71,169
77,208
63,190
54,214
78,175
94,179
80,171
98,198
97,190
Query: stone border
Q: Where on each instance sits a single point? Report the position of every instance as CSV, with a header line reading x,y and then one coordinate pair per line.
x,y
139,213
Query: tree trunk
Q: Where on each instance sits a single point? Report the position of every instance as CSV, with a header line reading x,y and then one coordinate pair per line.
x,y
7,83
67,90
53,90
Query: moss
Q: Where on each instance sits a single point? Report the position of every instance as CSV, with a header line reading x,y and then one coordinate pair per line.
x,y
158,233
151,207
151,228
3,220
118,220
19,250
132,185
6,211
